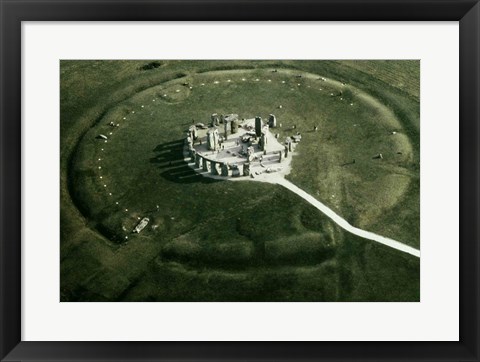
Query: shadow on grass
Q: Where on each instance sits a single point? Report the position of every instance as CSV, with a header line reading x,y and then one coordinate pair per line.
x,y
170,160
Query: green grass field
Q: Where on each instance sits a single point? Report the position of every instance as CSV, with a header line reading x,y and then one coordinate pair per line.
x,y
211,240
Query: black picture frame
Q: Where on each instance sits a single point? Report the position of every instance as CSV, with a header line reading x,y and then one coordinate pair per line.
x,y
13,12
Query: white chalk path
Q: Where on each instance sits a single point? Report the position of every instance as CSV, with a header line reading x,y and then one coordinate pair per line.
x,y
342,222
278,178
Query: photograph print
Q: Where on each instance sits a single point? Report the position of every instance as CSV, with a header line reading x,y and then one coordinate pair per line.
x,y
239,180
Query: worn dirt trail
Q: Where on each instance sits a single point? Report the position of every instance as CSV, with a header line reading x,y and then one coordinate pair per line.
x,y
344,224
280,180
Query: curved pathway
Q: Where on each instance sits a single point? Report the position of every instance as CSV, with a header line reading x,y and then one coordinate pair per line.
x,y
342,222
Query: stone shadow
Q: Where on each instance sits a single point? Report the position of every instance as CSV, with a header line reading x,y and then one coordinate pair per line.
x,y
169,158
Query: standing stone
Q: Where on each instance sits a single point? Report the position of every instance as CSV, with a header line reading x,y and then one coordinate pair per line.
x,y
250,153
272,121
213,168
224,169
234,126
192,154
193,132
258,126
263,138
280,157
212,139
235,171
240,170
198,161
225,125
215,121
205,164
263,142
246,169
288,143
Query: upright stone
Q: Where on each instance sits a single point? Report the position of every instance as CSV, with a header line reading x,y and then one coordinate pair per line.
x,y
213,139
240,169
215,121
272,121
205,164
264,138
213,168
225,127
234,126
193,132
258,126
250,153
246,169
224,169
288,143
263,142
232,120
193,153
235,171
198,161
